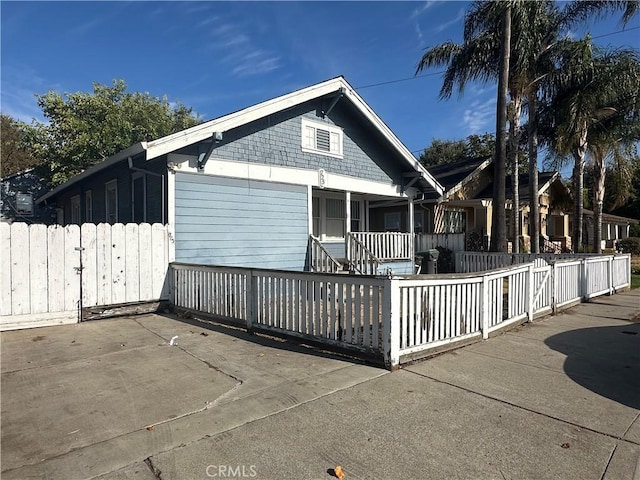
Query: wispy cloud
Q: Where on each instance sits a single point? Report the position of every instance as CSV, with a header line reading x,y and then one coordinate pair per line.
x,y
255,63
421,9
443,26
235,40
418,31
20,84
480,115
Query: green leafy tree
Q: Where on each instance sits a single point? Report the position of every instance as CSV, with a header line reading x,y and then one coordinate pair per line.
x,y
449,151
85,128
14,155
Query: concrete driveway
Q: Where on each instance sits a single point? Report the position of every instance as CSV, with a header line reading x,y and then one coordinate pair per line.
x,y
111,399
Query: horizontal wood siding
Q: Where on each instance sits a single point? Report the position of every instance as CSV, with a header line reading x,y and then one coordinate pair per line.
x,y
242,223
335,249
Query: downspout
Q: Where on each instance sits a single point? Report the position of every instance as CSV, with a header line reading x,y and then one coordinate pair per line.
x,y
155,174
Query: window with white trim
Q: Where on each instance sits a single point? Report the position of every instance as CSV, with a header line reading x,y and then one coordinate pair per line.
x,y
321,138
75,209
418,222
356,216
111,201
88,206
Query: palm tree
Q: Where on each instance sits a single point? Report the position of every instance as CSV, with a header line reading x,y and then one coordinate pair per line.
x,y
595,106
536,27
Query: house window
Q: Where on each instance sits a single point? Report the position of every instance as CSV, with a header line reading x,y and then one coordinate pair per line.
x,y
335,215
24,204
321,138
75,209
392,222
139,197
356,216
111,201
418,222
88,206
315,206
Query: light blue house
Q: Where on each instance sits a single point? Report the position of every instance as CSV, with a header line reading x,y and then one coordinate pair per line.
x,y
292,183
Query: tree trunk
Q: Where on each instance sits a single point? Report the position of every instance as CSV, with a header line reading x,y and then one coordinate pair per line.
x,y
534,204
598,199
514,143
498,218
578,186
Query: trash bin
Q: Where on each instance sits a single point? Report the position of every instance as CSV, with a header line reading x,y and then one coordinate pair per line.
x,y
429,261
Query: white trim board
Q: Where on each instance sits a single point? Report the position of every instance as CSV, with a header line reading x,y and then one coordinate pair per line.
x,y
290,175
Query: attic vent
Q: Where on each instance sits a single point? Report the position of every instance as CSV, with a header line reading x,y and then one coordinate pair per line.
x,y
321,138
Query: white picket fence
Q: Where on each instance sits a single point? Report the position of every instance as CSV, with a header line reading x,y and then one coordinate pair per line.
x,y
393,319
41,280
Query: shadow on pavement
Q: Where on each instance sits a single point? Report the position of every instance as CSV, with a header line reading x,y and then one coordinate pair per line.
x,y
290,344
605,360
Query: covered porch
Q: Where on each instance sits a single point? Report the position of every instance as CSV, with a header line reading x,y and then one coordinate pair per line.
x,y
350,234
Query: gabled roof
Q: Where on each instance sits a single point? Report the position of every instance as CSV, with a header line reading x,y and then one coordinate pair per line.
x,y
545,179
338,85
453,175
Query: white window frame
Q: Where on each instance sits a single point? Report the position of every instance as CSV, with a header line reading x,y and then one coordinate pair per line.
x,y
134,177
309,138
322,219
88,206
76,214
113,184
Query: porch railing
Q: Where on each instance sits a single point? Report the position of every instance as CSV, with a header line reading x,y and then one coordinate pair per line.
x,y
387,246
361,259
320,260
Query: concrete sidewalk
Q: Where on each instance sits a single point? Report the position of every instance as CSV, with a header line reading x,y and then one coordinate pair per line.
x,y
556,399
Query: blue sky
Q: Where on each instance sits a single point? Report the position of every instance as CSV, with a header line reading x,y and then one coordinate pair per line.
x,y
218,57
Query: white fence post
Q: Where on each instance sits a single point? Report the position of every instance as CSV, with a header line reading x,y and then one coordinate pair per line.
x,y
484,307
554,286
391,323
530,291
610,274
583,280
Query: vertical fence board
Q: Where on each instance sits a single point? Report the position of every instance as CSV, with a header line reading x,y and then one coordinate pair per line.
x,y
55,257
146,262
89,265
132,263
5,269
159,247
39,303
118,263
71,267
20,302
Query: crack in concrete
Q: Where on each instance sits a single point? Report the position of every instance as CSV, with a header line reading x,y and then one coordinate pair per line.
x,y
157,473
526,409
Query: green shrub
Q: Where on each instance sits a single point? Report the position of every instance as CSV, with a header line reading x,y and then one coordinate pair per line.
x,y
629,245
445,260
634,230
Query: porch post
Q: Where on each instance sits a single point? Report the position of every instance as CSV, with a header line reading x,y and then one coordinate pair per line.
x,y
347,227
412,229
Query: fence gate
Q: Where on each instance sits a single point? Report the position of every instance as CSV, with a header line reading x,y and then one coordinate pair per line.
x,y
47,272
542,286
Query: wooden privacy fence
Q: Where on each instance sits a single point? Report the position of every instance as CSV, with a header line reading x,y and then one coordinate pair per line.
x,y
43,281
393,319
452,241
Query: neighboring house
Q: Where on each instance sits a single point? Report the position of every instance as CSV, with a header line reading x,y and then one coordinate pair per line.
x,y
614,228
18,193
466,206
291,183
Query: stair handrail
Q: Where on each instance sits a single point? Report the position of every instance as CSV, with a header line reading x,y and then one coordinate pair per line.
x,y
360,257
321,260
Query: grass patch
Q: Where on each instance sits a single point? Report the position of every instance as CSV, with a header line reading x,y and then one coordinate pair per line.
x,y
635,281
